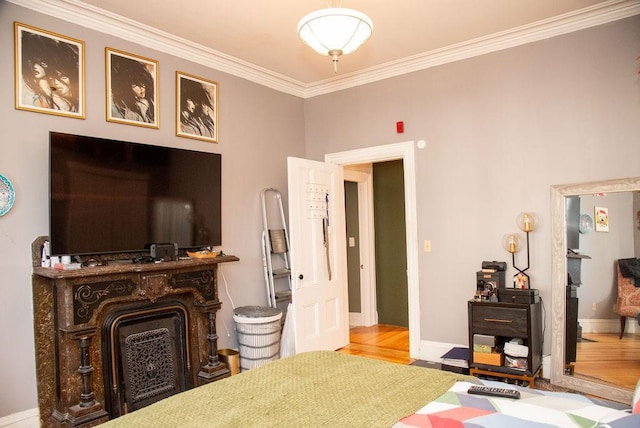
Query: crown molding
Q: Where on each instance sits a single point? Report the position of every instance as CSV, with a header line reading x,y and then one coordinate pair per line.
x,y
106,22
602,13
98,19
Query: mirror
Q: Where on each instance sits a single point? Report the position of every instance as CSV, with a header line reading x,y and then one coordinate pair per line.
x,y
561,199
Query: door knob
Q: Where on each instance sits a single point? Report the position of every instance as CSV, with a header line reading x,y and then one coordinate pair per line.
x,y
301,276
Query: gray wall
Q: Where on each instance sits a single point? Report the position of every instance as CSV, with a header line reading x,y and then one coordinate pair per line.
x,y
636,224
599,275
500,130
258,129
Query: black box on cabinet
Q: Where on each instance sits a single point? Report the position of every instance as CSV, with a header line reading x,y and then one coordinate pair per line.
x,y
518,295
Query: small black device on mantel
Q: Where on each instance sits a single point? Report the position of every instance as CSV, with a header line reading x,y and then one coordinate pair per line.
x,y
164,252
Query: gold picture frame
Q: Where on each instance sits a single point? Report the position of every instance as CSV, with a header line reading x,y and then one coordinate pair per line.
x,y
196,108
49,72
131,89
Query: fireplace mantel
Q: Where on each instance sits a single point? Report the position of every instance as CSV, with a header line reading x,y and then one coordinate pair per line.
x,y
70,309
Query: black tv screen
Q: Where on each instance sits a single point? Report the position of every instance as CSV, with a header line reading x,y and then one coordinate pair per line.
x,y
110,196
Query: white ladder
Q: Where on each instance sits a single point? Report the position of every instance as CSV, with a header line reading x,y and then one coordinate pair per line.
x,y
275,250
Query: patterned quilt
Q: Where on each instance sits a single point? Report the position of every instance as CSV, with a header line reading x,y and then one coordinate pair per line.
x,y
535,408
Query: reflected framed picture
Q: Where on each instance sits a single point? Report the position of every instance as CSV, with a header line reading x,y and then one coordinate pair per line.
x,y
196,108
601,215
132,89
49,72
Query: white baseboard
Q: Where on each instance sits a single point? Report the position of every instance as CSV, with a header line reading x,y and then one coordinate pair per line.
x,y
608,325
355,319
25,419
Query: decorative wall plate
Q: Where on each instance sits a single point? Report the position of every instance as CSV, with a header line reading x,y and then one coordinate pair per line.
x,y
586,223
7,195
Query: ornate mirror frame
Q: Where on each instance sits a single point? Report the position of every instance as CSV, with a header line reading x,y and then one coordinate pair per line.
x,y
559,278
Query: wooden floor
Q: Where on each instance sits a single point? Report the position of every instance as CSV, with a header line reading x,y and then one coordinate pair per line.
x,y
382,342
607,358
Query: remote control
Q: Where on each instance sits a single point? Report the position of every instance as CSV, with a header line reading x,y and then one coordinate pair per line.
x,y
494,392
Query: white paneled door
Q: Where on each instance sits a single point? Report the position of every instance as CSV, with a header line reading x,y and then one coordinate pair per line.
x,y
318,255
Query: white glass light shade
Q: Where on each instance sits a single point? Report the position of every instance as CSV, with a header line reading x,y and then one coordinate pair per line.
x,y
511,242
527,222
335,31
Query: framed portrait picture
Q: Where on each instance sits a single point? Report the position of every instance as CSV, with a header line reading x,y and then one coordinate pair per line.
x,y
602,219
49,72
196,108
132,89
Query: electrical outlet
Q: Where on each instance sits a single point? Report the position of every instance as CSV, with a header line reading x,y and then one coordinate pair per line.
x,y
594,307
427,246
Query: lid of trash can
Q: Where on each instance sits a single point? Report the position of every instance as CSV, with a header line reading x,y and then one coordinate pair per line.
x,y
257,314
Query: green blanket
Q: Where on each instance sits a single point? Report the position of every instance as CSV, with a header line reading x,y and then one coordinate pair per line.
x,y
309,389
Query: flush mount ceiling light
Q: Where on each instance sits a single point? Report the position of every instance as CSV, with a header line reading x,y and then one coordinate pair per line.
x,y
335,31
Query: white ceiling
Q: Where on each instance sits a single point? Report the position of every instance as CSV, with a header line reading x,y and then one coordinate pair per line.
x,y
259,36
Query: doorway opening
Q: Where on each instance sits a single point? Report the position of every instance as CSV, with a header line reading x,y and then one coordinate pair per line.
x,y
377,285
404,152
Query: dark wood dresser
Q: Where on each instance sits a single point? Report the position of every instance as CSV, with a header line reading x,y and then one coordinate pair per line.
x,y
507,321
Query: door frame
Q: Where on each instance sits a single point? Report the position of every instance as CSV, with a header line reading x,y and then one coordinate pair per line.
x,y
406,152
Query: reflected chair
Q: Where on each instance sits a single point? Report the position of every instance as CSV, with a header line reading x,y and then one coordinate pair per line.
x,y
628,302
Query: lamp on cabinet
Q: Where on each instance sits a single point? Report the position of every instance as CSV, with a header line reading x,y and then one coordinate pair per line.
x,y
527,222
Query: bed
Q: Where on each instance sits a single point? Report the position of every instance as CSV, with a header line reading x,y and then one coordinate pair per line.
x,y
331,389
534,408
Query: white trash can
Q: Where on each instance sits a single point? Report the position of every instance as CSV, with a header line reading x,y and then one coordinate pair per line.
x,y
259,330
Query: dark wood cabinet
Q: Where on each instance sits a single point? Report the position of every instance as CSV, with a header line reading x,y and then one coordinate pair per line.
x,y
507,321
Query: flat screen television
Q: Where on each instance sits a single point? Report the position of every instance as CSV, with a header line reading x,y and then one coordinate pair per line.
x,y
110,196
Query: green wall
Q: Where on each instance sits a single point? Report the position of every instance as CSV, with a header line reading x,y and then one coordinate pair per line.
x,y
353,253
391,256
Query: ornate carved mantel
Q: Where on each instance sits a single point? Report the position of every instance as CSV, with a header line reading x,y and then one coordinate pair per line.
x,y
72,307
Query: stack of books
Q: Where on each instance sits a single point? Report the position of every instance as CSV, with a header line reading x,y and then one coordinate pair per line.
x,y
484,350
456,360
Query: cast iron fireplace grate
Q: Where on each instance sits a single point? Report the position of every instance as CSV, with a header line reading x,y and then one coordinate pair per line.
x,y
147,355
